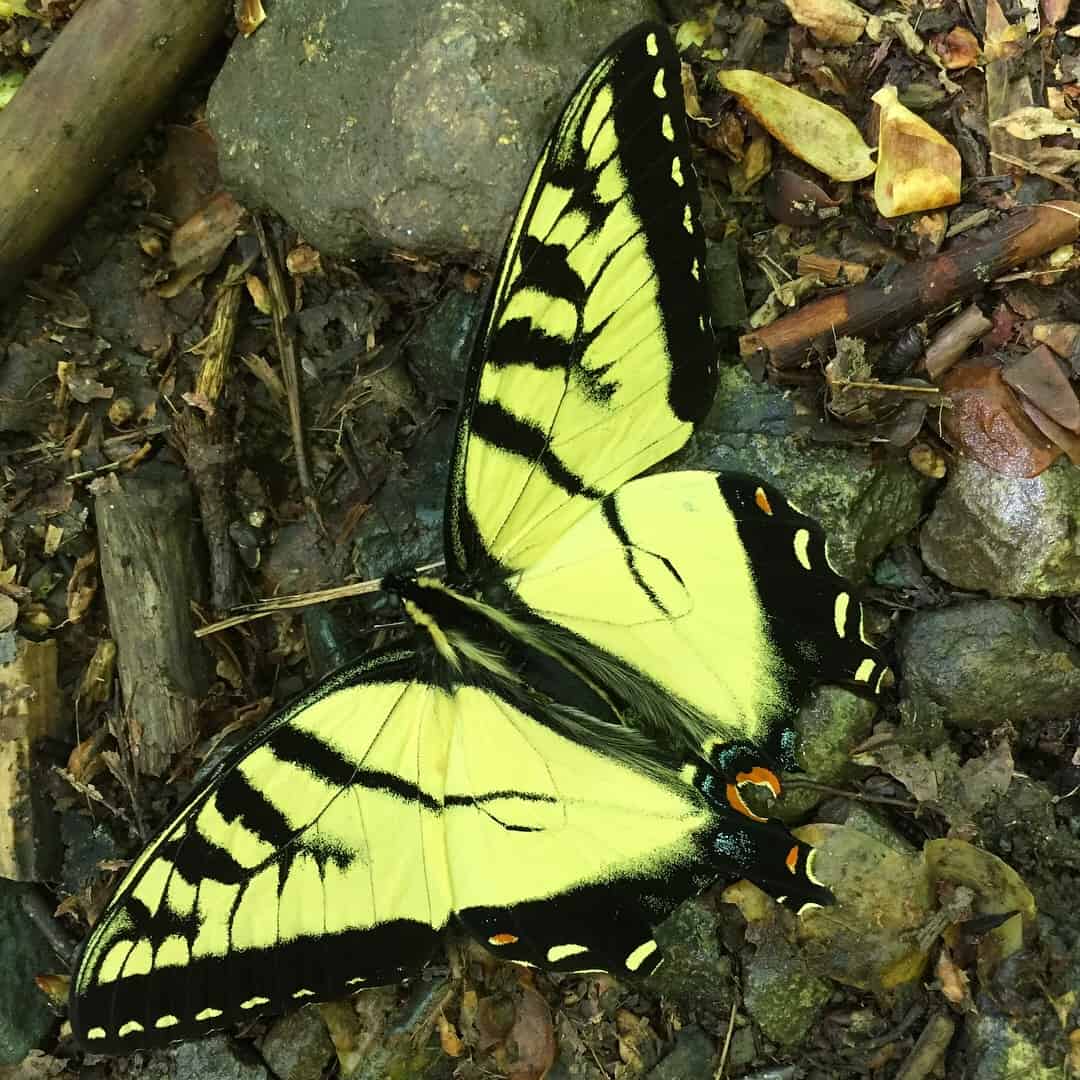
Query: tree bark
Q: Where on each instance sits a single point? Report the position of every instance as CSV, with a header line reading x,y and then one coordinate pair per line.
x,y
150,569
82,110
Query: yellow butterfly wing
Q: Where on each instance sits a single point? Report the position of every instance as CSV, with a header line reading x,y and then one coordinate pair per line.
x,y
706,603
329,851
595,359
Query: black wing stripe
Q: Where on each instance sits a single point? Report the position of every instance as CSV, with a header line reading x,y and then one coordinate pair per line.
x,y
495,425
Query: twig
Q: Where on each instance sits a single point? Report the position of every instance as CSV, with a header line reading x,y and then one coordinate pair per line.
x,y
1027,166
290,368
722,1067
826,789
260,609
916,290
41,915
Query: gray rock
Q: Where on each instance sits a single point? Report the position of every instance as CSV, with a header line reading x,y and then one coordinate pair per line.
x,y
780,994
979,664
25,1018
690,1059
406,529
439,352
1007,536
438,111
215,1058
696,973
862,503
298,1046
995,1048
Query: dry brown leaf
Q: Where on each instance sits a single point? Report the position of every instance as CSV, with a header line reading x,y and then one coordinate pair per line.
x,y
249,16
96,684
918,168
82,586
531,1042
198,244
450,1040
832,22
1034,122
1053,11
303,259
1041,378
957,50
953,980
986,423
1058,435
813,131
1062,337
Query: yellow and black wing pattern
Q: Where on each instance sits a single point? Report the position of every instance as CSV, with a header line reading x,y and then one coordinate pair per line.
x,y
330,850
706,605
596,357
556,761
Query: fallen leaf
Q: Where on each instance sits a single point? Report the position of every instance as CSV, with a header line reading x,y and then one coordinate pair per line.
x,y
1034,122
957,50
953,980
832,22
249,16
986,422
198,244
918,168
794,200
1041,378
1053,11
82,586
813,131
9,612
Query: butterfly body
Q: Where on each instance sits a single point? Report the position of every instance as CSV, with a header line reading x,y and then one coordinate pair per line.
x,y
555,760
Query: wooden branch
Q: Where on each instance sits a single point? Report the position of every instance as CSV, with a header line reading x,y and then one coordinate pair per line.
x,y
29,712
150,570
83,109
917,290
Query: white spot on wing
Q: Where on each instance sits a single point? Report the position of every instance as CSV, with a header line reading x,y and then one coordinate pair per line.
x,y
640,955
561,952
840,610
802,548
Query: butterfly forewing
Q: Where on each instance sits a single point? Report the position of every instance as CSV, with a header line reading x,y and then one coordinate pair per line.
x,y
596,357
332,848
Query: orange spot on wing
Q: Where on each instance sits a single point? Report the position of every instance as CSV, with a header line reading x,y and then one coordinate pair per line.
x,y
792,860
762,501
502,939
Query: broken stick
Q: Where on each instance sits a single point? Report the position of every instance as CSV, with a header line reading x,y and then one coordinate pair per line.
x,y
916,291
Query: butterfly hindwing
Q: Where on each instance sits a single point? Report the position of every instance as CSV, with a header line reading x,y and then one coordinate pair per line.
x,y
667,586
595,358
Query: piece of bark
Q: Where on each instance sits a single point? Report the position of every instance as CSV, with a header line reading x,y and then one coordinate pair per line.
x,y
151,571
207,446
84,107
917,290
29,712
954,339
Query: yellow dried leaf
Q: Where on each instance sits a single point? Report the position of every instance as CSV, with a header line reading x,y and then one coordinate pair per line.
x,y
249,16
10,8
810,129
918,168
1033,122
696,31
832,22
